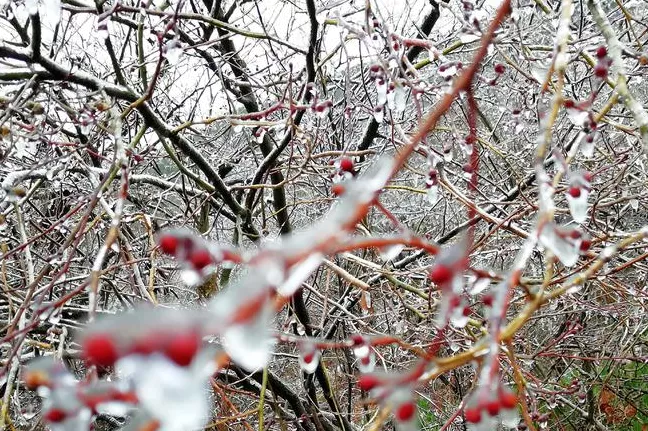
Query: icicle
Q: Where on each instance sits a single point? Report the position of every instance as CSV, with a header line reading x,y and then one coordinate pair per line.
x,y
52,11
32,6
298,274
379,114
390,252
366,364
459,316
260,134
545,191
173,51
557,242
447,153
400,98
309,357
433,195
577,116
587,145
102,27
381,91
480,285
510,418
391,97
447,70
577,201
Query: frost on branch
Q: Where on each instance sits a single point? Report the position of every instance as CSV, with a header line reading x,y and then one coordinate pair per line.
x,y
161,359
162,369
565,243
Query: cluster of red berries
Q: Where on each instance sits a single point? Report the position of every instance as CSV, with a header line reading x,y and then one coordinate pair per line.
x,y
405,408
584,241
103,349
89,394
198,256
396,42
604,62
505,400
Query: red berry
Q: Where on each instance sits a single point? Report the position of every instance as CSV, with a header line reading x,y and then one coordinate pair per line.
x,y
488,300
405,411
473,415
601,52
441,274
455,302
508,400
168,244
357,339
467,311
492,407
101,350
337,189
200,259
569,103
574,191
368,381
183,348
346,164
499,68
54,415
585,244
601,71
308,357
34,379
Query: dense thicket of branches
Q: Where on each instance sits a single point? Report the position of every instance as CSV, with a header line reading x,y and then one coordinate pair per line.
x,y
120,118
